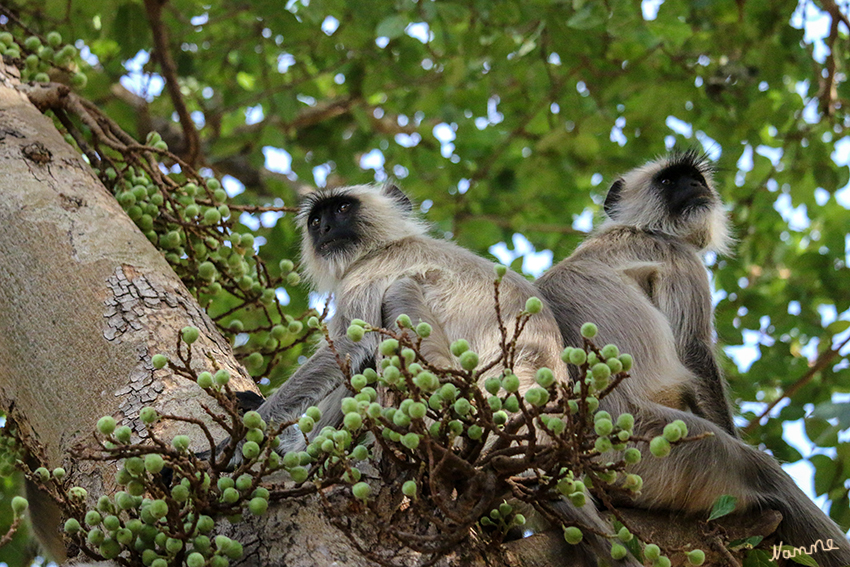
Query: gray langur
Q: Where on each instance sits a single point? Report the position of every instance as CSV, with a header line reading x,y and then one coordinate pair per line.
x,y
641,280
662,218
364,245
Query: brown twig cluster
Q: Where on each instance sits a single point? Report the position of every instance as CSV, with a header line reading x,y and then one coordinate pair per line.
x,y
472,451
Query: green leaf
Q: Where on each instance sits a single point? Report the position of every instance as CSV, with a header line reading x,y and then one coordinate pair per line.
x,y
724,504
246,80
833,410
821,432
745,543
801,558
591,15
840,510
671,29
758,558
838,326
826,470
392,26
130,29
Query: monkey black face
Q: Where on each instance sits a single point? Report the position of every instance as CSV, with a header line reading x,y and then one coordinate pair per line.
x,y
675,187
683,187
333,225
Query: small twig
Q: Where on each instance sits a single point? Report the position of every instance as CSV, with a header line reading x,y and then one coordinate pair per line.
x,y
94,159
12,529
162,53
822,362
263,209
717,544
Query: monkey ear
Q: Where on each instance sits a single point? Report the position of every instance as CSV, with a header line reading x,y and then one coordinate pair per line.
x,y
613,197
402,201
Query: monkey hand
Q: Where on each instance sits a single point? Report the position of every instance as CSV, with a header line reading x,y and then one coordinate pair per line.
x,y
289,440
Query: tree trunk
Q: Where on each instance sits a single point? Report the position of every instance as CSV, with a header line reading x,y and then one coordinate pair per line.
x,y
85,302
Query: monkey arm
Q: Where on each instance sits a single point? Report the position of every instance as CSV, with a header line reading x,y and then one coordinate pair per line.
x,y
320,380
699,358
695,473
317,382
407,296
678,287
684,296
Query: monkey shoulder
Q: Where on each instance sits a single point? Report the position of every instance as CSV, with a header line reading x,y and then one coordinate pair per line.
x,y
430,261
637,242
627,246
652,261
438,272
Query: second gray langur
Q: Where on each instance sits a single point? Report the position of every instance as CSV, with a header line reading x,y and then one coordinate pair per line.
x,y
662,218
365,245
641,280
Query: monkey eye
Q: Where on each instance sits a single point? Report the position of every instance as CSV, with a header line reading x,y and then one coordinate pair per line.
x,y
666,181
343,208
314,221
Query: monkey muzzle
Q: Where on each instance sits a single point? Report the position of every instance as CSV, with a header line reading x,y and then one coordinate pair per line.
x,y
691,195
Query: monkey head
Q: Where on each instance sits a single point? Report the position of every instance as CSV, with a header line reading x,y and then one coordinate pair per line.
x,y
340,225
673,195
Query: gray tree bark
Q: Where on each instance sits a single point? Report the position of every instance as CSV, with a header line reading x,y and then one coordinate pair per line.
x,y
85,302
